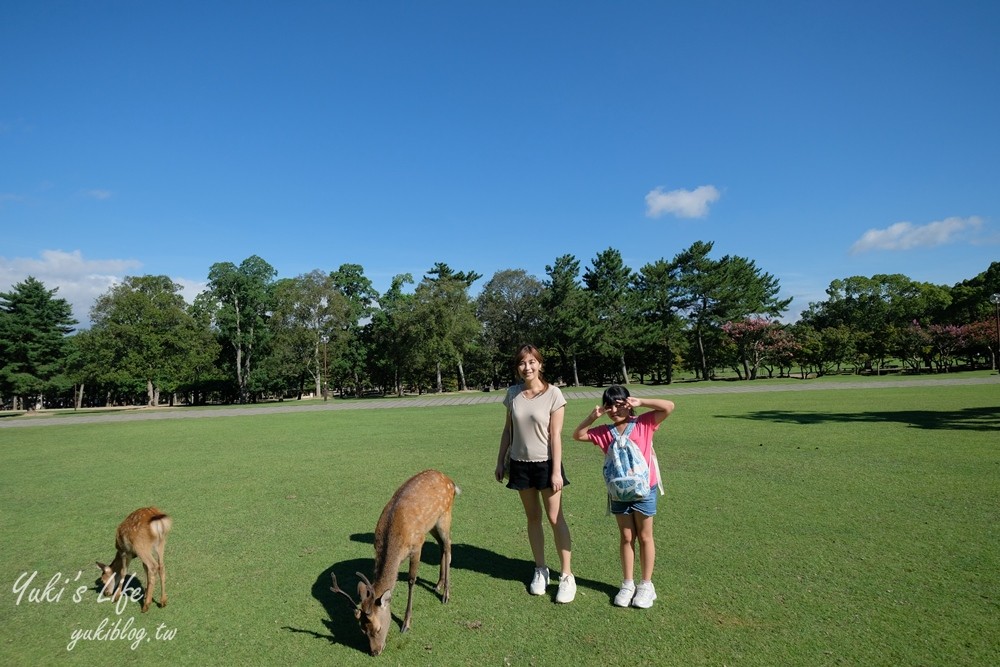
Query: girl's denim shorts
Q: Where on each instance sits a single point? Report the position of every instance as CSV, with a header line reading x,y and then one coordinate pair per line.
x,y
646,506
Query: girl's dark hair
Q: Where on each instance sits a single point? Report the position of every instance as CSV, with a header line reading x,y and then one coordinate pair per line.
x,y
615,393
526,350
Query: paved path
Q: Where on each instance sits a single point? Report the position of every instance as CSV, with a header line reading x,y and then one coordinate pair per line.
x,y
476,398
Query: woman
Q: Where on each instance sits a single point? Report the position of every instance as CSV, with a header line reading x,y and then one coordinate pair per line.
x,y
531,442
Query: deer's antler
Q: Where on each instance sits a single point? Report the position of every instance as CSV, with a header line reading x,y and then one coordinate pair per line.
x,y
337,589
365,579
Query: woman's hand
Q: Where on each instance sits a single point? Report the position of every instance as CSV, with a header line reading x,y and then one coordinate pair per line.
x,y
557,482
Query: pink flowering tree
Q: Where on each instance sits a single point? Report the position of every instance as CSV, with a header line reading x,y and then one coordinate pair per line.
x,y
753,338
981,342
912,344
947,341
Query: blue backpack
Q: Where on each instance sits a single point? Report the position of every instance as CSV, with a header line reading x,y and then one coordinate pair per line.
x,y
626,472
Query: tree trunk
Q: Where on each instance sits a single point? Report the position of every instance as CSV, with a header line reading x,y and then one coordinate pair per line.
x,y
150,393
440,384
576,373
461,376
624,370
78,397
701,354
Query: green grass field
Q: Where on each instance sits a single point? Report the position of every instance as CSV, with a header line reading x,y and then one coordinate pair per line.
x,y
832,527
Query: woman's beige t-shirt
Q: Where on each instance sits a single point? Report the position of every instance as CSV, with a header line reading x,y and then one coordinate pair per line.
x,y
530,421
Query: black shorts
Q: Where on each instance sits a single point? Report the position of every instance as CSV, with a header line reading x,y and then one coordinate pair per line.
x,y
532,475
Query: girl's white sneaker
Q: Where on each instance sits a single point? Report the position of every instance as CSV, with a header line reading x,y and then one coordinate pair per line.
x,y
644,596
625,594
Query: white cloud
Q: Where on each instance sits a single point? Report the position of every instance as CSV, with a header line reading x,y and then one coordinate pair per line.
x,y
80,281
681,203
191,288
906,235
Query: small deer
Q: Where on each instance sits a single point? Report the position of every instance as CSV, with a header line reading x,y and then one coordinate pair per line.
x,y
143,533
421,505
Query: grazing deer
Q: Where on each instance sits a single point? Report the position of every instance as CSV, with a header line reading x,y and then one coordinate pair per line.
x,y
421,505
143,533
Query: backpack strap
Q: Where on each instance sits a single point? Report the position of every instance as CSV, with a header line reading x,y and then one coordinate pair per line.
x,y
659,477
615,435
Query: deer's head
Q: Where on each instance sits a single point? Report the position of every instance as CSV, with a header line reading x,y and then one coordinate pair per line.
x,y
372,612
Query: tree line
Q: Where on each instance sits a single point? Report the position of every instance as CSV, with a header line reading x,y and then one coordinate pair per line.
x,y
252,336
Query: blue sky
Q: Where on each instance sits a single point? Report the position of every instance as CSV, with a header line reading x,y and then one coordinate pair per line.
x,y
820,139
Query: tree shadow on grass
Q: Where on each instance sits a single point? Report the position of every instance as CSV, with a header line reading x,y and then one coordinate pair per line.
x,y
966,419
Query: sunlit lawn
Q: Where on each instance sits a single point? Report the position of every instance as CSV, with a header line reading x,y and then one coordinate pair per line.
x,y
841,527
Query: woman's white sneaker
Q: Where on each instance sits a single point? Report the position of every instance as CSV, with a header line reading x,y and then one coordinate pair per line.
x,y
567,589
539,581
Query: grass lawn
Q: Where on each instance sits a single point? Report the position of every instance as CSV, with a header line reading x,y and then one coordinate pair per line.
x,y
840,527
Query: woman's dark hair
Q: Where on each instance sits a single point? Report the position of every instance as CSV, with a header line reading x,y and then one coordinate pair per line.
x,y
614,394
531,350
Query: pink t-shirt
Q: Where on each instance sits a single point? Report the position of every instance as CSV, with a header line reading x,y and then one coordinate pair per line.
x,y
641,435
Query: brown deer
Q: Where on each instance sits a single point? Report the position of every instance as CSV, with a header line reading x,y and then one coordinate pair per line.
x,y
143,533
421,505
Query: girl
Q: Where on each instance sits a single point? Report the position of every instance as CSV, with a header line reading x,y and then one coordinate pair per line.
x,y
635,519
531,441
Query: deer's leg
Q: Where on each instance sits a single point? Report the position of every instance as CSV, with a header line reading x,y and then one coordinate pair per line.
x,y
149,565
446,559
414,565
442,534
125,559
163,574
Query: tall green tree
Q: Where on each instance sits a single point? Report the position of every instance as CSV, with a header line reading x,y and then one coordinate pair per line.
x,y
242,296
509,308
33,329
309,322
392,336
443,305
698,283
566,326
362,298
719,291
147,335
661,302
970,299
615,305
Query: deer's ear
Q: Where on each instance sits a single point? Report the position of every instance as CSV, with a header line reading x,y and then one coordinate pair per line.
x,y
385,599
102,566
